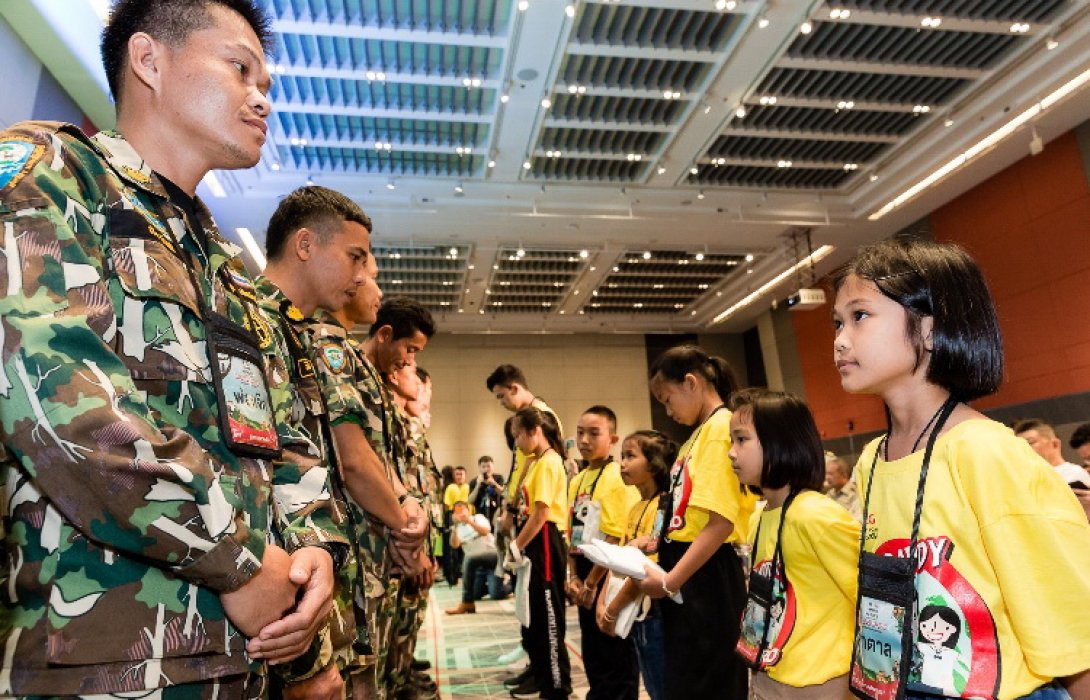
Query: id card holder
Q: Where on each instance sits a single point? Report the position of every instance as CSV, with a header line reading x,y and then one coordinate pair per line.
x,y
754,637
882,652
246,420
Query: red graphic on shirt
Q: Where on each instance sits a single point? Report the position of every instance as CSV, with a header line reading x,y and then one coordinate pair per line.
x,y
680,493
970,669
782,616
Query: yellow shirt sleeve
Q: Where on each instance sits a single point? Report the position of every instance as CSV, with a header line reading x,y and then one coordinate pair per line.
x,y
616,500
545,483
1031,523
715,487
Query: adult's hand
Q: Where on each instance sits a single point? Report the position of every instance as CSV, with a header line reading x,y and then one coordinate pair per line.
x,y
324,685
266,597
285,639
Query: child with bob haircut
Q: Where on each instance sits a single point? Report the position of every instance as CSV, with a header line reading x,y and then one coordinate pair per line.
x,y
797,628
706,512
959,513
646,458
541,520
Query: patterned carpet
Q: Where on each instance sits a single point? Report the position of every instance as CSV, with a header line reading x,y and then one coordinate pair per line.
x,y
464,649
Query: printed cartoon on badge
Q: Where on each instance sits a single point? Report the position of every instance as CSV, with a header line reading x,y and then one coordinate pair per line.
x,y
956,650
249,411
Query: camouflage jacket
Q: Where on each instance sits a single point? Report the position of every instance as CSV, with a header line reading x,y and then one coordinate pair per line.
x,y
311,506
124,516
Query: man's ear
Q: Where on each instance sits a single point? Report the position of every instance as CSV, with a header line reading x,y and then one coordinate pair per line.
x,y
303,242
384,334
146,60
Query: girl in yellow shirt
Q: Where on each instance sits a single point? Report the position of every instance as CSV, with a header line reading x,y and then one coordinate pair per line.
x,y
798,625
541,520
706,512
975,563
646,457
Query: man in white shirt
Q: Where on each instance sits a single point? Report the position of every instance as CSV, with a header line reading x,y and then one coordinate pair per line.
x,y
473,535
1042,438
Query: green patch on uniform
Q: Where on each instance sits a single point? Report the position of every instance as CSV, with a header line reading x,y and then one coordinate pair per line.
x,y
334,357
17,158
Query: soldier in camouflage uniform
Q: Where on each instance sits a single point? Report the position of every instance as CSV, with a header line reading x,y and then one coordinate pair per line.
x,y
407,388
361,411
318,247
140,543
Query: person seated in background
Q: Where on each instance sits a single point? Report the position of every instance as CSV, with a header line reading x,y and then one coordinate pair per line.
x,y
839,485
1080,442
472,533
1042,438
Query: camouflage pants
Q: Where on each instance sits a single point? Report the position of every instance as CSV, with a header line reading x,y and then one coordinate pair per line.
x,y
373,615
386,633
409,617
249,686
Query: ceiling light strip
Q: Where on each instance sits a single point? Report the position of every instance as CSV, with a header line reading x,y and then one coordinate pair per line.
x,y
984,144
251,246
813,258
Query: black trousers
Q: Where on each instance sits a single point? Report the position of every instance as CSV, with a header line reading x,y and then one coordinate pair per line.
x,y
613,672
700,634
544,638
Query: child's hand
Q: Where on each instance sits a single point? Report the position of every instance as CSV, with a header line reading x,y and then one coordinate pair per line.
x,y
585,597
573,587
606,623
652,584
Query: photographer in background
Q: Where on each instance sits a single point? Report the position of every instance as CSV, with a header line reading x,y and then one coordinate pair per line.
x,y
486,490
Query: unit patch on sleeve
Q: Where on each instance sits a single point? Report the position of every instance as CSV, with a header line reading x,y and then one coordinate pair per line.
x,y
16,159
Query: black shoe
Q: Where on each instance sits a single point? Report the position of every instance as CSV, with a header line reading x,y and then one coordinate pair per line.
x,y
421,664
423,680
526,689
523,676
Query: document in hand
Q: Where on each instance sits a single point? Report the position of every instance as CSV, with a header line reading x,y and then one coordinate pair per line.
x,y
625,561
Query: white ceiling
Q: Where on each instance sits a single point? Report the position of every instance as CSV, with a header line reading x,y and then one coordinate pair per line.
x,y
643,148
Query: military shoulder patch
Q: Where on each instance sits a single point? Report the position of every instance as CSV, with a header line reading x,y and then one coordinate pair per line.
x,y
333,354
16,160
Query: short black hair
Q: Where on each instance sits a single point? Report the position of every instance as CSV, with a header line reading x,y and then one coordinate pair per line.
x,y
318,208
660,453
680,360
945,614
505,376
939,280
793,455
459,468
605,412
1026,424
1080,437
509,432
171,22
405,316
484,458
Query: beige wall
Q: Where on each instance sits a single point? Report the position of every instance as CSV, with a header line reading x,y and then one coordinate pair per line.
x,y
571,372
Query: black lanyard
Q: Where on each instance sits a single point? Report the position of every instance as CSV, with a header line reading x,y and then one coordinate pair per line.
x,y
639,520
938,420
676,478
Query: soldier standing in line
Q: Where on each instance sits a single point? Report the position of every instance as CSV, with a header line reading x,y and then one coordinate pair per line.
x,y
141,549
361,411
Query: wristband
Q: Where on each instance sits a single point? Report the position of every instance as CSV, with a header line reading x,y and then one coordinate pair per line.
x,y
668,592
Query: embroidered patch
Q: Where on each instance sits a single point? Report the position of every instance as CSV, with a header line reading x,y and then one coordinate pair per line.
x,y
16,160
334,357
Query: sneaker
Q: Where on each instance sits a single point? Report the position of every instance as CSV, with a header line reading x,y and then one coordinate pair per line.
x,y
527,689
511,656
525,674
421,664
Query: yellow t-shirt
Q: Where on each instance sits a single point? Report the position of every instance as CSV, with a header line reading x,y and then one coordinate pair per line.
x,y
644,519
521,457
545,483
604,486
812,639
702,480
455,493
1004,546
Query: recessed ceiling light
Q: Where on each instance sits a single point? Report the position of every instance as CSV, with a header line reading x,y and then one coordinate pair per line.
x,y
806,27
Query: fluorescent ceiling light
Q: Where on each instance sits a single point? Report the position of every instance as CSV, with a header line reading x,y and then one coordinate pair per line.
x,y
813,258
251,246
984,144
